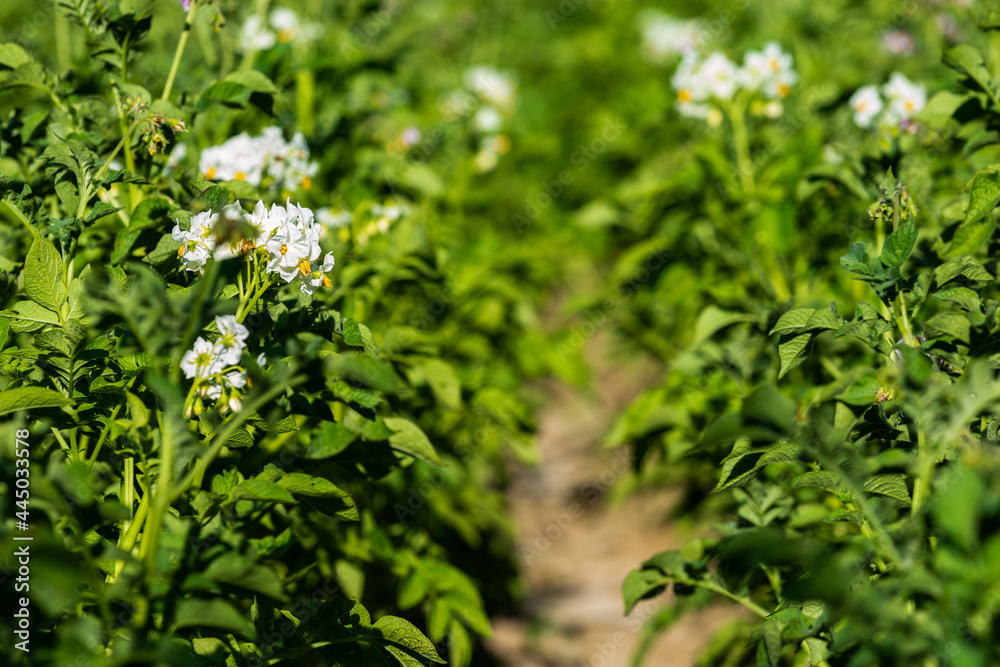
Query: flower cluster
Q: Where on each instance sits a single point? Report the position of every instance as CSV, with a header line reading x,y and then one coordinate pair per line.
x,y
498,93
703,83
287,236
902,99
383,215
282,26
664,37
285,164
214,366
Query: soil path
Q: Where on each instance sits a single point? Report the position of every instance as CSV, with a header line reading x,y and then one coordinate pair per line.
x,y
576,547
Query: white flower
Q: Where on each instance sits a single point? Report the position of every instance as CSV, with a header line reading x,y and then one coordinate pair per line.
x,y
318,277
905,98
720,76
867,104
769,70
256,35
333,219
410,137
487,120
294,246
492,86
232,338
202,360
898,42
664,36
251,159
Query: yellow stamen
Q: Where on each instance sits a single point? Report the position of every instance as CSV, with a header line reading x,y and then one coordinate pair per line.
x,y
180,251
210,174
684,96
286,35
326,281
783,90
307,183
284,249
305,268
240,176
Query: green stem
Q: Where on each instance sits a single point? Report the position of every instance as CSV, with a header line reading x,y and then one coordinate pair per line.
x,y
196,476
924,470
128,538
742,141
179,52
746,602
161,495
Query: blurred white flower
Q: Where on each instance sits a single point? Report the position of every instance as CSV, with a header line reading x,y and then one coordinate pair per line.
x,y
867,104
898,42
769,70
905,98
487,120
664,37
252,159
282,26
493,86
333,219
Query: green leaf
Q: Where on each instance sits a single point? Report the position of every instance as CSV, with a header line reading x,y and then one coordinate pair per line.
x,y
940,108
44,276
798,320
253,79
899,245
459,646
767,407
408,438
236,570
258,489
27,316
443,381
642,584
713,319
194,613
4,330
820,479
13,56
956,505
857,260
339,504
225,92
984,193
27,398
949,324
404,634
330,440
968,237
792,351
150,213
968,60
891,486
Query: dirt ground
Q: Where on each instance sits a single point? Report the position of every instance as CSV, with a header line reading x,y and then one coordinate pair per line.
x,y
576,548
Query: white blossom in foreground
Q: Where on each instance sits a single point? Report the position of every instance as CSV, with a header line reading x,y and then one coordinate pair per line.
x,y
289,234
